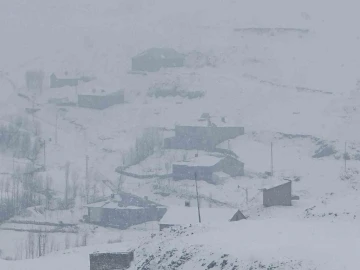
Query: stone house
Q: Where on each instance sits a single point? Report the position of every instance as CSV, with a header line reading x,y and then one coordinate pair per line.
x,y
205,167
124,210
154,59
99,95
203,134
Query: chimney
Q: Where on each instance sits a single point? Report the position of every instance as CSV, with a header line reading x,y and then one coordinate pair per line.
x,y
187,203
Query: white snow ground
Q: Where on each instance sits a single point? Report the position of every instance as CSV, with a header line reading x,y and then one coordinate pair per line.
x,y
294,82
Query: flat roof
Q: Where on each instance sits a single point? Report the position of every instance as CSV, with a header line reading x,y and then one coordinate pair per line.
x,y
161,53
219,121
275,183
206,160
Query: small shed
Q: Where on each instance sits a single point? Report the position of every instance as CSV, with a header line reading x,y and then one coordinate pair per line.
x,y
185,216
154,59
68,78
277,193
111,260
205,166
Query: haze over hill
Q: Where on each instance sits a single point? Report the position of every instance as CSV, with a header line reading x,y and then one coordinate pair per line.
x,y
288,72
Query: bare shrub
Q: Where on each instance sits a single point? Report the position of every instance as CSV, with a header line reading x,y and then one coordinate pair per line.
x,y
116,240
145,146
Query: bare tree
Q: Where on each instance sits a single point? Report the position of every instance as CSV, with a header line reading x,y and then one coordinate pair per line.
x,y
48,192
75,183
84,239
30,246
34,80
120,183
67,241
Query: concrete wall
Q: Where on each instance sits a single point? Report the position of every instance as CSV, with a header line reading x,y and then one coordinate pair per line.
x,y
95,214
277,196
182,172
231,166
144,63
111,261
100,102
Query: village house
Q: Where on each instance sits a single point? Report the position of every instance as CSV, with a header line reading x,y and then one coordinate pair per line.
x,y
154,59
206,168
124,210
99,95
203,134
277,193
61,79
185,216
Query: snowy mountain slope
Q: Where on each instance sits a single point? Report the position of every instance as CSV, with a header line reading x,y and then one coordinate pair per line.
x,y
278,67
265,244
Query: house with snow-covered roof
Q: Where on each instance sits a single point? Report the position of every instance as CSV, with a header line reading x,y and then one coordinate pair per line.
x,y
205,168
99,95
204,133
67,78
124,210
185,216
154,59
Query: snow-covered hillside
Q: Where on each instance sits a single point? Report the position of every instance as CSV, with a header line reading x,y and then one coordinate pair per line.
x,y
287,72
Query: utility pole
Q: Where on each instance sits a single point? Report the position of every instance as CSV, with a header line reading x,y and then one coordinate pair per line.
x,y
271,158
33,109
44,154
247,195
87,167
345,157
197,197
87,184
56,127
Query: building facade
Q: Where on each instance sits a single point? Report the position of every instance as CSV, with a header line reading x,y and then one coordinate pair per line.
x,y
278,195
205,167
201,137
124,211
101,101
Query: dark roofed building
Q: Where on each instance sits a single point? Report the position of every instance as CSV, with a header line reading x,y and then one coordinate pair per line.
x,y
206,166
154,59
101,100
59,80
99,95
124,210
203,134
